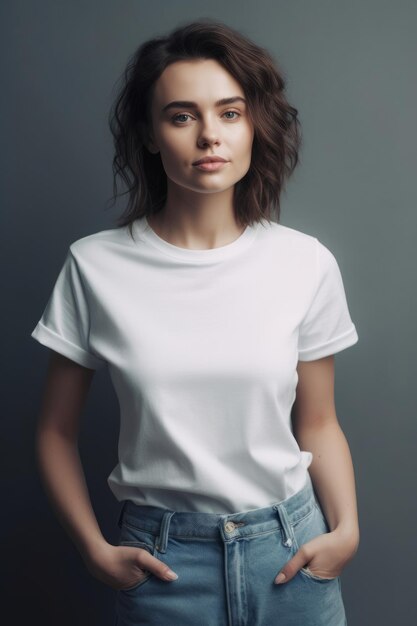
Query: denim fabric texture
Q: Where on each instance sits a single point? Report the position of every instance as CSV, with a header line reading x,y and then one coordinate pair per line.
x,y
226,566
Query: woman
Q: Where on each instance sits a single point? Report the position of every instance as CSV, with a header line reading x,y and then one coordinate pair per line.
x,y
219,328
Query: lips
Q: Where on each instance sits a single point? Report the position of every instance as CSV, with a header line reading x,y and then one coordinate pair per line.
x,y
212,159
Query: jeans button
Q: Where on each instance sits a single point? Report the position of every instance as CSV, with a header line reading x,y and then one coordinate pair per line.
x,y
229,527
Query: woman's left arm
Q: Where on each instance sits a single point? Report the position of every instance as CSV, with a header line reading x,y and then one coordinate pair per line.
x,y
316,429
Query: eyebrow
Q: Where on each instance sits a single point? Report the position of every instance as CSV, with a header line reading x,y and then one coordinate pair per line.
x,y
176,104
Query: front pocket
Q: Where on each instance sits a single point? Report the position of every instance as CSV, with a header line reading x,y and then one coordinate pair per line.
x,y
147,574
137,538
306,529
309,574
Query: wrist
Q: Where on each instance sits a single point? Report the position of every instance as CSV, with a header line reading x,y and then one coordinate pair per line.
x,y
93,547
349,534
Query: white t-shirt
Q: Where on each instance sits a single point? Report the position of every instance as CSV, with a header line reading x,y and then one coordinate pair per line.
x,y
202,348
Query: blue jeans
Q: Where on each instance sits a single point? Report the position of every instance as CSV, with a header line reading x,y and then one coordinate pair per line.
x,y
226,565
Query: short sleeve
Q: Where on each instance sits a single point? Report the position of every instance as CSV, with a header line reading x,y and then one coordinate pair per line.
x,y
327,326
65,322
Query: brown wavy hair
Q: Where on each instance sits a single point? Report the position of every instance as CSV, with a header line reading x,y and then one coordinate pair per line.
x,y
277,135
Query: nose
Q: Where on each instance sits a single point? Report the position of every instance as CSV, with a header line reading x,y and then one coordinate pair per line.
x,y
209,134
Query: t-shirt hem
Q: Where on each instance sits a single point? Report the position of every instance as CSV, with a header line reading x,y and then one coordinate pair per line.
x,y
49,338
330,347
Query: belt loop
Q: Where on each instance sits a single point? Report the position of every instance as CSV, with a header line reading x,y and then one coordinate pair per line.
x,y
162,541
285,523
122,510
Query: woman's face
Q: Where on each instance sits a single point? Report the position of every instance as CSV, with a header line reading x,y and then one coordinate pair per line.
x,y
199,127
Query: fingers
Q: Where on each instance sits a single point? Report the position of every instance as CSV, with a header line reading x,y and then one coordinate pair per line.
x,y
321,554
148,562
291,567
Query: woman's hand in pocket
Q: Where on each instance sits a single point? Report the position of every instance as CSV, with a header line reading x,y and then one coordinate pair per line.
x,y
325,556
121,567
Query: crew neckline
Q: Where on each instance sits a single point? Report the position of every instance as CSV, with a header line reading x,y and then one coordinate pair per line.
x,y
146,232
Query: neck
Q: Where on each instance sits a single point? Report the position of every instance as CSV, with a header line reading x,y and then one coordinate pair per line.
x,y
197,221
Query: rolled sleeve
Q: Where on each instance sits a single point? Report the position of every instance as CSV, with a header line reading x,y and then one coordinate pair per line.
x,y
327,327
65,322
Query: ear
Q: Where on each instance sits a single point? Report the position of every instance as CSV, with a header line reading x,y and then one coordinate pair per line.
x,y
150,142
152,147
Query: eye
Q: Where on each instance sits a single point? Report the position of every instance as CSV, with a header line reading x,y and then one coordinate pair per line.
x,y
181,117
232,118
175,118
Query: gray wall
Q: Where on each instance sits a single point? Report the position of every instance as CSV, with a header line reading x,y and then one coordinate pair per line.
x,y
351,75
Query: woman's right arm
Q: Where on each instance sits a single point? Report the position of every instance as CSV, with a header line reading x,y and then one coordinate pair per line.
x,y
66,388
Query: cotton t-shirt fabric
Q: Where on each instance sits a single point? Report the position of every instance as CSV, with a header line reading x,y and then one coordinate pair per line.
x,y
202,348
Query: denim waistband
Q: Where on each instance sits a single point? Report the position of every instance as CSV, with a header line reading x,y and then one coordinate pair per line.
x,y
185,524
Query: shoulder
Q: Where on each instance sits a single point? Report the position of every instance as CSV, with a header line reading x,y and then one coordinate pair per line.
x,y
301,242
288,240
99,244
302,254
291,234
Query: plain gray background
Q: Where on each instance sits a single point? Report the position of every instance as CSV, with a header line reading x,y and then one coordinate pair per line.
x,y
350,69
